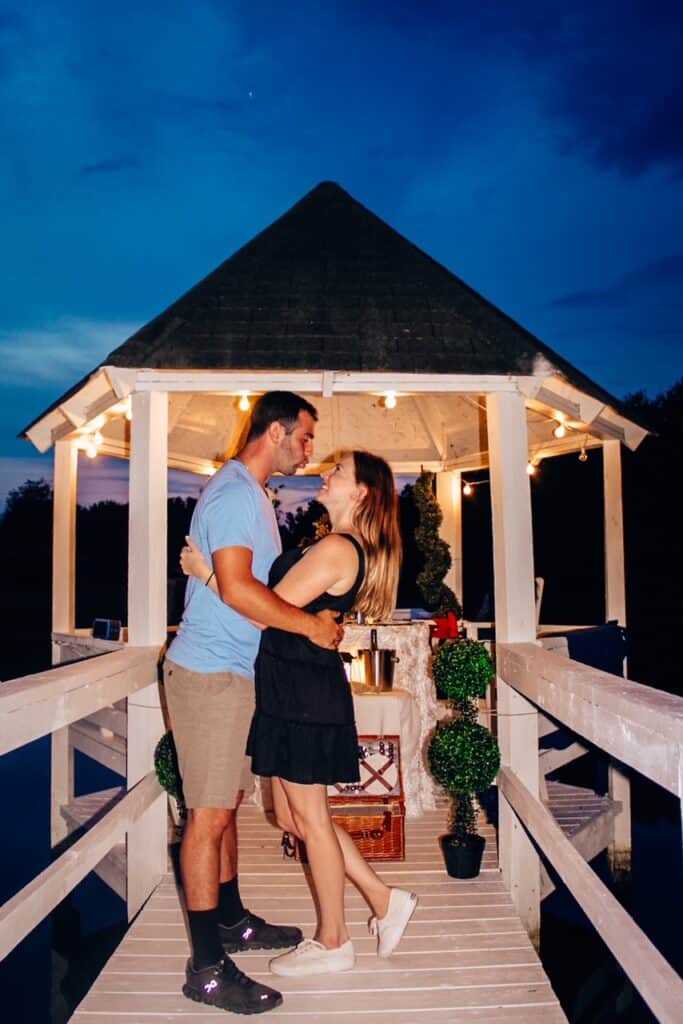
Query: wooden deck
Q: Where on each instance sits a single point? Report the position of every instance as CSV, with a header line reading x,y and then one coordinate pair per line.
x,y
465,956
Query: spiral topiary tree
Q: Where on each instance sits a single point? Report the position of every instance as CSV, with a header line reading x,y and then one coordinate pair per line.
x,y
438,597
463,756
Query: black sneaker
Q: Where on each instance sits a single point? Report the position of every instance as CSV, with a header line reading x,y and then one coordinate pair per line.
x,y
223,985
254,933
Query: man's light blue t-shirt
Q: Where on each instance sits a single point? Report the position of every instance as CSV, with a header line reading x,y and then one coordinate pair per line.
x,y
233,511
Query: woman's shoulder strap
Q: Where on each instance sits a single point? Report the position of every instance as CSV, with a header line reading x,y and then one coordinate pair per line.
x,y
361,557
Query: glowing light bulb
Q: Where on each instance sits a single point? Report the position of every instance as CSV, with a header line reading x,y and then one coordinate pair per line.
x,y
97,423
583,455
560,430
390,400
530,468
91,450
468,489
244,403
97,437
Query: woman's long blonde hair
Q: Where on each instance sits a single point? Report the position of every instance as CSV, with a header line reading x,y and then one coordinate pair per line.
x,y
376,521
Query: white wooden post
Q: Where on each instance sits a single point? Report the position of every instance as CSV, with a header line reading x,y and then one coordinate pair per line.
x,y
63,618
619,852
515,616
449,496
64,538
146,849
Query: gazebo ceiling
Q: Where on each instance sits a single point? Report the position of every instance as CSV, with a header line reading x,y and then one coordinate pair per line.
x,y
331,291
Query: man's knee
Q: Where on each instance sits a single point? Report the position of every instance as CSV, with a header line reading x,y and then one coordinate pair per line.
x,y
211,821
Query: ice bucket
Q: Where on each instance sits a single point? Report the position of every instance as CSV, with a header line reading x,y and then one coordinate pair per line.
x,y
378,667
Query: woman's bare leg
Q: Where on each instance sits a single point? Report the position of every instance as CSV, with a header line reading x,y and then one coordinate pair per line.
x,y
356,868
311,816
361,874
281,808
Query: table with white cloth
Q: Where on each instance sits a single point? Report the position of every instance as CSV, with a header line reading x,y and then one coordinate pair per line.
x,y
394,713
409,710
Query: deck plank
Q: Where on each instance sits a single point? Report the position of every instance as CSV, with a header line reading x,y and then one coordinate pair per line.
x,y
465,951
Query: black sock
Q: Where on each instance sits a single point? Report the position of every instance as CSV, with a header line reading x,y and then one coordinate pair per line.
x,y
206,944
230,906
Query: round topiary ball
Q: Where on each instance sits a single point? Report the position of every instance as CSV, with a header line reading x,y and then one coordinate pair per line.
x,y
166,766
463,757
463,669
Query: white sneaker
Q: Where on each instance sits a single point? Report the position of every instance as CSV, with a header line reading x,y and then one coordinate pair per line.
x,y
390,928
311,957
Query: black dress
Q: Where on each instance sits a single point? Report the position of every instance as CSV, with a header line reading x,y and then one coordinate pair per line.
x,y
303,728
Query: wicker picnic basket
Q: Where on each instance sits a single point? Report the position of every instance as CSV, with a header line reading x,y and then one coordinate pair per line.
x,y
373,810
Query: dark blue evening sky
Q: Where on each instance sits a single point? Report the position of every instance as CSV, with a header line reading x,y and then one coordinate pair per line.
x,y
537,152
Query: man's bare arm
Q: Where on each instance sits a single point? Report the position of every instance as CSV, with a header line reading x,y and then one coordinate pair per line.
x,y
238,588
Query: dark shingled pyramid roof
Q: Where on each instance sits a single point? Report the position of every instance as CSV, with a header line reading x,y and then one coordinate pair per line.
x,y
331,286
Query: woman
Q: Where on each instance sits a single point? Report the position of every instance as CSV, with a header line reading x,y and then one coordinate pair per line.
x,y
303,734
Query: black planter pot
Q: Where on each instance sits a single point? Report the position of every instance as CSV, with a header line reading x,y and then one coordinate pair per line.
x,y
464,860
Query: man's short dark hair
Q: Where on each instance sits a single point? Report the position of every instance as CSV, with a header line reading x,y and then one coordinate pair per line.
x,y
278,407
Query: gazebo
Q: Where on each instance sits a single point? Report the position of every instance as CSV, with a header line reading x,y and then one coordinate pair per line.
x,y
400,356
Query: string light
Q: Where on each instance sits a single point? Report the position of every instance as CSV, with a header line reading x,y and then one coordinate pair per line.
x,y
97,438
560,430
469,485
91,449
244,404
390,400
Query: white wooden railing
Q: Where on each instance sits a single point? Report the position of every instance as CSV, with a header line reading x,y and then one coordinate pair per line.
x,y
47,702
638,726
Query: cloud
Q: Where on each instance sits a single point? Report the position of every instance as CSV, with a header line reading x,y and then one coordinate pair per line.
x,y
614,75
609,74
664,272
60,353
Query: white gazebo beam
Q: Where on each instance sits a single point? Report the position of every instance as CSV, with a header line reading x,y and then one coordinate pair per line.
x,y
122,380
322,381
588,412
545,396
515,617
41,434
64,537
65,483
615,584
433,424
146,850
619,785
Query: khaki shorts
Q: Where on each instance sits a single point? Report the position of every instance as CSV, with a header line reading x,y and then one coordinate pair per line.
x,y
210,716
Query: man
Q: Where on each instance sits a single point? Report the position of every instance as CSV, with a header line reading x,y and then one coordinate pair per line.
x,y
208,678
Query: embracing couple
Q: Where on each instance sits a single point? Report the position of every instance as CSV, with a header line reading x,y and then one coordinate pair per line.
x,y
254,683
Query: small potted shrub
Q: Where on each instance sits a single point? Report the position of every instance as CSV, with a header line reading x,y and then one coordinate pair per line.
x,y
463,755
168,772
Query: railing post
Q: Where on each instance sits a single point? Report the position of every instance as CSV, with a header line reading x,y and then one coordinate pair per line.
x,y
63,619
146,846
515,617
619,851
